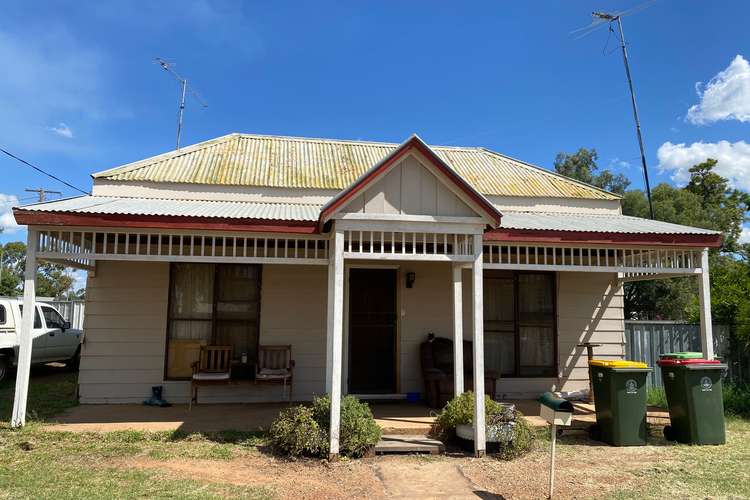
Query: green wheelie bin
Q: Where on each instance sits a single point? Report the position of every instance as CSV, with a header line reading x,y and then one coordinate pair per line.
x,y
694,396
620,399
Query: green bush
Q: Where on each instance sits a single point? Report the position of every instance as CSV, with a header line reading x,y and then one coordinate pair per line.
x,y
460,410
358,432
522,442
303,430
295,432
737,400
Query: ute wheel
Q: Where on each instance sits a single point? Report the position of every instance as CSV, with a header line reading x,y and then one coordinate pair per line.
x,y
669,433
4,367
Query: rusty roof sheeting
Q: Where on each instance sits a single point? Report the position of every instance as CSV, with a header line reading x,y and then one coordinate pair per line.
x,y
291,162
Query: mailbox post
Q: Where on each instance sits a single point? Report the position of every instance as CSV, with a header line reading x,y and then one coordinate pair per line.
x,y
556,411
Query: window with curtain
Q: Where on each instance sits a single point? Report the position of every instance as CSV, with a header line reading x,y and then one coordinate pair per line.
x,y
213,304
519,323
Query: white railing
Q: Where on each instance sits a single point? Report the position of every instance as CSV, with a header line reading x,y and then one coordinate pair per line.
x,y
633,261
401,245
82,247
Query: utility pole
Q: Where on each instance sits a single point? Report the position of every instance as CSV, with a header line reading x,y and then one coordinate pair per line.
x,y
42,193
183,92
618,18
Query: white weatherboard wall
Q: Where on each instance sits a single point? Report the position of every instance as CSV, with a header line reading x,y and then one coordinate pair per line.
x,y
126,322
126,334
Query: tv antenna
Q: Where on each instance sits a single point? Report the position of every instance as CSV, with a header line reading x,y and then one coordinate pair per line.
x,y
184,89
602,19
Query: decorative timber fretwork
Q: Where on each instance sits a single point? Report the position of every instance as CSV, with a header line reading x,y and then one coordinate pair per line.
x,y
81,248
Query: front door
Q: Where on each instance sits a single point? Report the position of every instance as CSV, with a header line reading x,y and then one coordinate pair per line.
x,y
372,331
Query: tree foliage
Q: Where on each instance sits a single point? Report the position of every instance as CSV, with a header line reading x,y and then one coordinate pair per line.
x,y
52,280
582,165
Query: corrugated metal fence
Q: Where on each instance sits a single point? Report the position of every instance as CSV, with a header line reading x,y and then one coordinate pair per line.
x,y
645,340
71,310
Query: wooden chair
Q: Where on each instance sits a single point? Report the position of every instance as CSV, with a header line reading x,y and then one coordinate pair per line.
x,y
275,364
214,366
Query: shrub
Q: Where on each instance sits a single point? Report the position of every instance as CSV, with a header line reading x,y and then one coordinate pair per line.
x,y
522,442
295,432
303,430
460,410
358,432
737,400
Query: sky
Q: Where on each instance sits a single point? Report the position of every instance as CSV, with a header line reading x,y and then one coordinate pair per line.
x,y
80,91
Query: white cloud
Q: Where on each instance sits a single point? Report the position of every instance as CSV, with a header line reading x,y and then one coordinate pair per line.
x,y
7,221
63,130
745,236
618,163
725,97
733,160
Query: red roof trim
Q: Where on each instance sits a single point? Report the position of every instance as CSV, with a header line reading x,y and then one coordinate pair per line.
x,y
32,217
415,143
590,237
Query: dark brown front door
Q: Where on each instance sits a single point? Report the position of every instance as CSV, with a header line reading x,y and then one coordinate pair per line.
x,y
372,331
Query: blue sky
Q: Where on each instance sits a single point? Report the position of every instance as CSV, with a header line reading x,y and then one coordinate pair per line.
x,y
81,91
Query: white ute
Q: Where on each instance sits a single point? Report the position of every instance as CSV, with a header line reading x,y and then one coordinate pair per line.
x,y
53,339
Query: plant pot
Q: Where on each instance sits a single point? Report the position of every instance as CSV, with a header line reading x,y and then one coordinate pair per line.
x,y
498,433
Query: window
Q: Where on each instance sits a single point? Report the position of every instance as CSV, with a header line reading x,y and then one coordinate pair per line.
x,y
213,304
52,318
3,317
519,324
37,318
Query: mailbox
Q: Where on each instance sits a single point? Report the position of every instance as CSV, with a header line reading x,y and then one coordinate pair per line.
x,y
556,411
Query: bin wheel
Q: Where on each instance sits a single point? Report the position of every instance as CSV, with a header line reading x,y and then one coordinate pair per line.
x,y
669,433
595,433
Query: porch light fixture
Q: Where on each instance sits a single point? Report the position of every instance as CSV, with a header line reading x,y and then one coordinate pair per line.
x,y
410,279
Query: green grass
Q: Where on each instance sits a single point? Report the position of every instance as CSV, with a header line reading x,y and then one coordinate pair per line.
x,y
656,397
36,463
699,471
45,399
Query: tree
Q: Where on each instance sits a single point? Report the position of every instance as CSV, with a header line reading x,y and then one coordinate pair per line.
x,y
52,280
582,166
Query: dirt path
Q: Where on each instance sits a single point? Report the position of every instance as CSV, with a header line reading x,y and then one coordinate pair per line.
x,y
425,478
584,471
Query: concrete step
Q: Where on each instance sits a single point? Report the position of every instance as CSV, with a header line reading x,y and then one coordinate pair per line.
x,y
409,443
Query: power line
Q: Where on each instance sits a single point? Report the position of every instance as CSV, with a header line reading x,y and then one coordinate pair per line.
x,y
51,176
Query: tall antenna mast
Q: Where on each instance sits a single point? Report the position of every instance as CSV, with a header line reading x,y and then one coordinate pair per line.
x,y
618,18
184,88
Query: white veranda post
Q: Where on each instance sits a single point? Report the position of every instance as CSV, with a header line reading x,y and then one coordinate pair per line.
x,y
458,336
704,292
334,335
18,418
478,345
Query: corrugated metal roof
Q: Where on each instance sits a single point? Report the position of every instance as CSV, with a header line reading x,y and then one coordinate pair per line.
x,y
593,223
291,162
304,212
186,208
